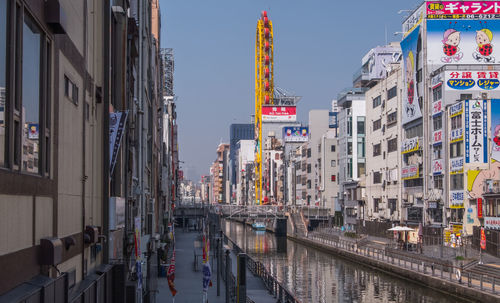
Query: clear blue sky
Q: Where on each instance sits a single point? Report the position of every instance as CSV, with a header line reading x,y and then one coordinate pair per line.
x,y
318,46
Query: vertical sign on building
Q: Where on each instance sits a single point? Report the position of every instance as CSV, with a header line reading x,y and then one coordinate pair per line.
x,y
476,143
495,129
411,107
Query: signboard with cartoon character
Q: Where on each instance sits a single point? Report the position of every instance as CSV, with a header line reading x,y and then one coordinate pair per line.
x,y
462,41
411,108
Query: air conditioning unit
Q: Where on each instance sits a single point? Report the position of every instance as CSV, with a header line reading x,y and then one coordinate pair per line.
x,y
411,199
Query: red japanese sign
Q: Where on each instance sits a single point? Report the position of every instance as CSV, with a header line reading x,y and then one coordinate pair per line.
x,y
279,113
460,9
479,207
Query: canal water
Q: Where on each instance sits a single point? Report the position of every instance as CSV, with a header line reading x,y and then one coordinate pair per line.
x,y
317,277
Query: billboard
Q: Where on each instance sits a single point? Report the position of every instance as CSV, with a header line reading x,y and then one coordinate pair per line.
x,y
379,60
472,80
411,108
33,131
476,133
463,9
279,113
456,199
295,134
495,129
462,41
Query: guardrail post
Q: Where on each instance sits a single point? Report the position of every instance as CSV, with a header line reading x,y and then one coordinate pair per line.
x,y
228,271
242,279
468,279
493,285
442,271
481,282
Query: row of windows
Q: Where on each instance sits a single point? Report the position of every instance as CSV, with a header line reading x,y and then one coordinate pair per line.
x,y
392,145
392,92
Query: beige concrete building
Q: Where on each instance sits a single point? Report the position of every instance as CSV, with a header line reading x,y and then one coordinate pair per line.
x,y
383,140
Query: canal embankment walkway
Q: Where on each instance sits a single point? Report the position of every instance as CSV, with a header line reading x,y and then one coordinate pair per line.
x,y
445,278
189,276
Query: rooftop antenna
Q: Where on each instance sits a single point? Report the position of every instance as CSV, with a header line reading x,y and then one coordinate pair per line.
x,y
386,34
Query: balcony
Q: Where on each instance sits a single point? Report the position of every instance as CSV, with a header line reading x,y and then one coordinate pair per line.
x,y
491,187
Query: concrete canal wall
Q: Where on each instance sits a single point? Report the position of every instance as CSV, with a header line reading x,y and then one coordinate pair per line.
x,y
450,288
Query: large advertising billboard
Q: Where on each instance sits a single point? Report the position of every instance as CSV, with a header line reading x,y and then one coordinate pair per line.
x,y
379,61
495,129
279,113
462,41
462,9
295,134
476,133
411,108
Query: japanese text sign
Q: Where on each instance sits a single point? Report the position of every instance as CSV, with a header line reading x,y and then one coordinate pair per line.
x,y
456,165
409,172
472,80
456,199
476,133
492,222
462,9
437,166
409,145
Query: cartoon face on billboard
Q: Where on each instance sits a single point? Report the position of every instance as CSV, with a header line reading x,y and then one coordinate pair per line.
x,y
484,47
451,40
410,82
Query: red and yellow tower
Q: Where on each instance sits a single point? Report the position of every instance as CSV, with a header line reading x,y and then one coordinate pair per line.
x,y
264,87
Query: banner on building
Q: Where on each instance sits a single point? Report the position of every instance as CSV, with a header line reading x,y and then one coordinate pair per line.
x,y
462,42
437,166
295,134
456,109
480,208
463,9
171,275
279,113
437,137
410,145
495,129
137,237
437,107
492,222
117,123
411,107
410,172
472,80
476,133
456,165
379,61
414,19
483,239
456,199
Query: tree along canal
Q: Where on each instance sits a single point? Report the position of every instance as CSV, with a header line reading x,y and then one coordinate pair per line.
x,y
317,277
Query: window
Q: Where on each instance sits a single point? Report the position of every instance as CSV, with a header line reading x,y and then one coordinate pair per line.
x,y
349,126
392,204
377,149
361,147
377,177
437,93
309,168
333,178
392,92
457,215
376,202
28,104
309,153
361,169
456,122
70,90
349,148
392,145
415,131
419,75
377,124
361,126
377,101
413,182
309,184
437,151
457,149
465,96
333,163
437,122
332,148
392,118
438,181
349,168
457,182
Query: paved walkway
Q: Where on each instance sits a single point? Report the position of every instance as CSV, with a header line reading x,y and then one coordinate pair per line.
x,y
187,281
